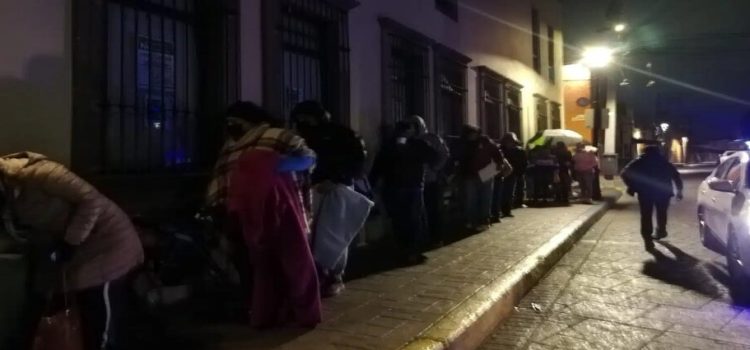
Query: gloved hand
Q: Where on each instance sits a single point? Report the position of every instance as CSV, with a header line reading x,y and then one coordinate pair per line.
x,y
61,252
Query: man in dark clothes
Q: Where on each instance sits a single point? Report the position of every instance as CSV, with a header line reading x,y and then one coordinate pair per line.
x,y
341,156
476,152
401,165
341,152
653,178
435,179
565,163
516,156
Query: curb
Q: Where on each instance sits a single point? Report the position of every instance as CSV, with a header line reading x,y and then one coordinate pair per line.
x,y
467,325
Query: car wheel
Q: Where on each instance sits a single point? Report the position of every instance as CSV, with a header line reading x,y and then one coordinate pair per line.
x,y
706,235
739,281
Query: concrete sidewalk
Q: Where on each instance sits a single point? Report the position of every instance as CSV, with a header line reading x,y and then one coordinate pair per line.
x,y
454,300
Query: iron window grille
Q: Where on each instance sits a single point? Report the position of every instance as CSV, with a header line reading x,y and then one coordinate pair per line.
x,y
542,117
555,117
451,90
140,68
514,107
307,45
491,102
406,75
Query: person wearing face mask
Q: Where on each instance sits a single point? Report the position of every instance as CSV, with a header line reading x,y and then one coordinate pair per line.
x,y
340,211
250,128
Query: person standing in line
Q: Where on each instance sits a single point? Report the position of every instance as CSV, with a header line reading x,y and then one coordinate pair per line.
x,y
545,168
516,156
76,236
654,180
476,152
585,163
401,165
341,159
435,180
565,163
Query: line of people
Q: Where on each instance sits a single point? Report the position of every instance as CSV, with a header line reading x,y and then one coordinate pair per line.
x,y
293,201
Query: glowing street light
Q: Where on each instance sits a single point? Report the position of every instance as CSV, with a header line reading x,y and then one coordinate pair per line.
x,y
664,127
620,27
597,57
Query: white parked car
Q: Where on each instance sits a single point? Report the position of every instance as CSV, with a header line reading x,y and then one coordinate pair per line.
x,y
724,216
726,155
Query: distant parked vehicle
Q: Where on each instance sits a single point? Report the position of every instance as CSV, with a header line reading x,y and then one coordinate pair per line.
x,y
724,218
724,156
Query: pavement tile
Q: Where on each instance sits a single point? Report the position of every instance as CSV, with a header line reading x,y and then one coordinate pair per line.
x,y
692,342
689,317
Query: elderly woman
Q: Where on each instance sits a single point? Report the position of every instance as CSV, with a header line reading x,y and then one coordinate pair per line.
x,y
80,234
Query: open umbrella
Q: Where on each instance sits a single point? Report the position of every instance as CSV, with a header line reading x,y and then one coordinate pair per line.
x,y
569,137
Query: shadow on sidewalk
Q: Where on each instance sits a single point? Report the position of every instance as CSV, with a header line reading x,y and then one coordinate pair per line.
x,y
683,270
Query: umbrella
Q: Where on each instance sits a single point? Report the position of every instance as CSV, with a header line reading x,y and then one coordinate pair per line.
x,y
569,137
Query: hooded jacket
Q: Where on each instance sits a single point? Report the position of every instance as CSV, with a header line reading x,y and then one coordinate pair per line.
x,y
55,204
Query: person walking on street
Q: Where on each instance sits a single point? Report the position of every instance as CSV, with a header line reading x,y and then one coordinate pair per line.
x,y
476,152
401,166
341,158
75,235
565,162
513,185
585,163
654,180
435,180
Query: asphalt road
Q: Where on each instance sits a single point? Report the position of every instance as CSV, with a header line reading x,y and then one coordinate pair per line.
x,y
608,293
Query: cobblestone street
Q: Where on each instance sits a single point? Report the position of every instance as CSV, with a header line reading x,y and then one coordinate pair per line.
x,y
608,293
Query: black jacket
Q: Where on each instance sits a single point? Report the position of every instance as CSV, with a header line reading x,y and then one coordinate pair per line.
x,y
341,153
652,176
517,159
403,165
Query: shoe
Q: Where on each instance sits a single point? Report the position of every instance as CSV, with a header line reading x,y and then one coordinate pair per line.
x,y
649,245
660,235
333,289
495,220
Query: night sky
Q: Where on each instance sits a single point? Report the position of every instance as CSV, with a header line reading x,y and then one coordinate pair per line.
x,y
700,54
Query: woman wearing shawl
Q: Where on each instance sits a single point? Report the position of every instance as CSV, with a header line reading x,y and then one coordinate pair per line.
x,y
255,187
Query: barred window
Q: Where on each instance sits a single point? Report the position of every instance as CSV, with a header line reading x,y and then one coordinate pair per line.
x,y
451,92
556,120
406,77
314,62
552,74
536,43
492,111
514,107
542,118
140,68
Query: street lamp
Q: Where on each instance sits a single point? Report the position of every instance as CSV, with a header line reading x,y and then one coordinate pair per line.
x,y
664,127
597,57
620,27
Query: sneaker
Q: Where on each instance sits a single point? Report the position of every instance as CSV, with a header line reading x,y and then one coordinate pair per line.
x,y
660,235
333,289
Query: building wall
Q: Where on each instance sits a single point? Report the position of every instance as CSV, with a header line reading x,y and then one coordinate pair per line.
x,y
35,77
576,85
496,34
251,46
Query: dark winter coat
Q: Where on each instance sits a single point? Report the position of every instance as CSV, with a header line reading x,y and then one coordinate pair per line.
x,y
403,165
652,176
341,153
